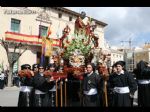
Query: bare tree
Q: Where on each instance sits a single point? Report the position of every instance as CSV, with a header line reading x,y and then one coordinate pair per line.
x,y
12,56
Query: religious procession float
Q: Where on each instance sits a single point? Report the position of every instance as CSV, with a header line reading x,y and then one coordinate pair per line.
x,y
76,51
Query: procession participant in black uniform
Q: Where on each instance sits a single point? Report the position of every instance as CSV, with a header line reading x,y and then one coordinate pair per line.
x,y
42,86
92,85
26,78
52,91
110,91
35,68
143,78
123,85
114,69
35,71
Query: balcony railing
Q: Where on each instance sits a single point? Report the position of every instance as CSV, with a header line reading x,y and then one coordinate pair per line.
x,y
27,39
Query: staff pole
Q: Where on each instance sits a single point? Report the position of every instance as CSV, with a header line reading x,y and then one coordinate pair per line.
x,y
65,92
56,94
105,92
61,93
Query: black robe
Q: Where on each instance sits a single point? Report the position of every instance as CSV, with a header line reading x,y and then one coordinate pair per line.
x,y
41,83
122,80
25,97
92,81
52,97
73,91
144,89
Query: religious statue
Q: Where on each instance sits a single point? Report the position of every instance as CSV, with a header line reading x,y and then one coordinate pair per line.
x,y
85,26
65,39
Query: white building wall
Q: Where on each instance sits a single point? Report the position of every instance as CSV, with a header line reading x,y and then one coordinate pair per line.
x,y
142,55
30,26
28,57
116,57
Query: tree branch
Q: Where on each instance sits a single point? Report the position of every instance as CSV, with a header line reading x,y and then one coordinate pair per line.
x,y
6,46
19,56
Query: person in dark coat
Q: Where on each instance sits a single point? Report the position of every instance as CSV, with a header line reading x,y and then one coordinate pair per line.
x,y
42,85
109,91
26,78
102,72
2,81
92,85
52,91
35,68
123,86
143,78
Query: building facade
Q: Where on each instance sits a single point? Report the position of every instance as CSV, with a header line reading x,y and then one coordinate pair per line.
x,y
116,56
129,59
26,25
143,54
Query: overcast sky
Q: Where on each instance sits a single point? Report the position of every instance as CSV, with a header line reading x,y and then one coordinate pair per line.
x,y
124,23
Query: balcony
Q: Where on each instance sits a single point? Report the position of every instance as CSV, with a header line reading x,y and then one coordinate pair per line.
x,y
27,39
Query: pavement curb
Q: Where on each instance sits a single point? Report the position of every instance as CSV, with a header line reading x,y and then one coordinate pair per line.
x,y
11,88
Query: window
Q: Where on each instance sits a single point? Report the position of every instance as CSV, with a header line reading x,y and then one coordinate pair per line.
x,y
15,25
59,15
70,18
43,31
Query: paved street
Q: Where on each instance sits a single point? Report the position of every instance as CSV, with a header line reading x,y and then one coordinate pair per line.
x,y
9,97
135,99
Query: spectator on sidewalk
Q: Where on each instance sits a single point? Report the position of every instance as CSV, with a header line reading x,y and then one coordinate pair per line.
x,y
2,81
16,79
5,78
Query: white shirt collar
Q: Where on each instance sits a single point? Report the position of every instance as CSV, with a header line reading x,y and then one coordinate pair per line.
x,y
122,72
89,74
41,74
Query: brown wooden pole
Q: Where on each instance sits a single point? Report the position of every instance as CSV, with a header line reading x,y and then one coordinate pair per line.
x,y
65,92
81,93
56,94
105,92
61,93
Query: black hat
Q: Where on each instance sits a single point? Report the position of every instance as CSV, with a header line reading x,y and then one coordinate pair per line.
x,y
141,65
41,65
35,66
25,66
51,65
114,65
122,63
